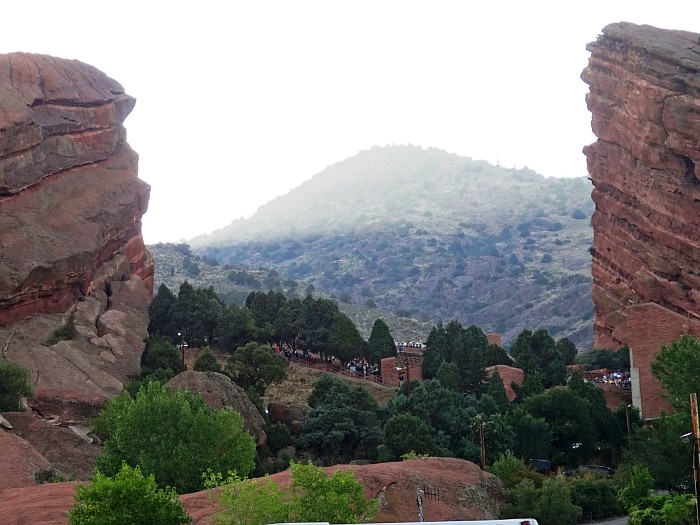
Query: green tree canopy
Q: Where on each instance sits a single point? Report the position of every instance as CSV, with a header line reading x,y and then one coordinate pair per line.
x,y
236,328
206,362
160,354
159,312
255,367
380,343
344,421
676,368
406,433
173,436
128,497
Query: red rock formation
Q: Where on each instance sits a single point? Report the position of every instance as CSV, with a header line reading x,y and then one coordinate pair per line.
x,y
509,375
645,166
71,251
465,493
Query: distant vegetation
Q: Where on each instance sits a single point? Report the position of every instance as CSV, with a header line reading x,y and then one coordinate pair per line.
x,y
428,235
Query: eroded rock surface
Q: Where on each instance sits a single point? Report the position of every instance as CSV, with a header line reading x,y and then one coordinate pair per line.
x,y
75,277
218,391
465,493
645,166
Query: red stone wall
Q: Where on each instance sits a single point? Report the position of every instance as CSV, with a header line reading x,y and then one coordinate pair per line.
x,y
648,326
393,377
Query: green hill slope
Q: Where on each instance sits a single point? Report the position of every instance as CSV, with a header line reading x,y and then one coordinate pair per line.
x,y
430,235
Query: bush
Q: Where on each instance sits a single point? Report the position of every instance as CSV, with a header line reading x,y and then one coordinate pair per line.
x,y
206,362
128,497
596,497
278,436
667,510
549,505
312,497
512,471
65,333
14,384
174,436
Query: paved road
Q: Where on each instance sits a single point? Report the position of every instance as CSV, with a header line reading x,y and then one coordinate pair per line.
x,y
615,521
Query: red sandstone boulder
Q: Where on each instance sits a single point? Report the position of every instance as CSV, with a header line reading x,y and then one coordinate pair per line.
x,y
218,391
465,493
20,463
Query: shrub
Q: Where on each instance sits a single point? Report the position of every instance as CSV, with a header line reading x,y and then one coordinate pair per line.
x,y
128,497
64,333
174,436
14,384
206,362
278,436
549,505
312,497
596,497
512,471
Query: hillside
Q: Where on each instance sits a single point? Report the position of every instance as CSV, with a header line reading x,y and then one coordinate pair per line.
x,y
433,236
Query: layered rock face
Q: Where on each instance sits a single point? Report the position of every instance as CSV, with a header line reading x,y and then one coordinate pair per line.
x,y
645,103
72,257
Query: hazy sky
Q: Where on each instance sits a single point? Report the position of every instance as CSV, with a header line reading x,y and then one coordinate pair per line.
x,y
239,102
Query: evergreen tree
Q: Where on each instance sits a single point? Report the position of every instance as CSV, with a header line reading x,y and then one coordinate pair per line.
x,y
380,344
159,312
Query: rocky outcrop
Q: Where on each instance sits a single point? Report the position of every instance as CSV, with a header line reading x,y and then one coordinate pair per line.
x,y
465,493
21,462
75,277
218,391
645,166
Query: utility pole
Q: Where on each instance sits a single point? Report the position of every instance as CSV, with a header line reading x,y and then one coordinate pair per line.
x,y
182,351
483,447
696,450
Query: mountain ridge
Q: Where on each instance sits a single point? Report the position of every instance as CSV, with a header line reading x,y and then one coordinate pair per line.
x,y
433,235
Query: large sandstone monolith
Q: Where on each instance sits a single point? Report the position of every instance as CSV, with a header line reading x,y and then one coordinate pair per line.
x,y
645,166
75,277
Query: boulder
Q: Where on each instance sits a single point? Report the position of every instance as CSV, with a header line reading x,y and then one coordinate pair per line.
x,y
218,391
20,462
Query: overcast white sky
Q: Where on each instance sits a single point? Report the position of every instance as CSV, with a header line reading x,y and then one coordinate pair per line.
x,y
239,102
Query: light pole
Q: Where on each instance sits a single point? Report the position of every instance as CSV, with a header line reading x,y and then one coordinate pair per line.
x,y
182,351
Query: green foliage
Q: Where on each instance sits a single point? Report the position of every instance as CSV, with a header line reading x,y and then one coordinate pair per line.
x,y
551,504
128,497
14,384
665,510
637,488
278,436
160,355
573,430
343,422
597,497
657,447
380,343
448,375
206,362
174,436
512,471
497,391
406,433
64,333
236,328
605,358
675,367
159,312
255,367
311,497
